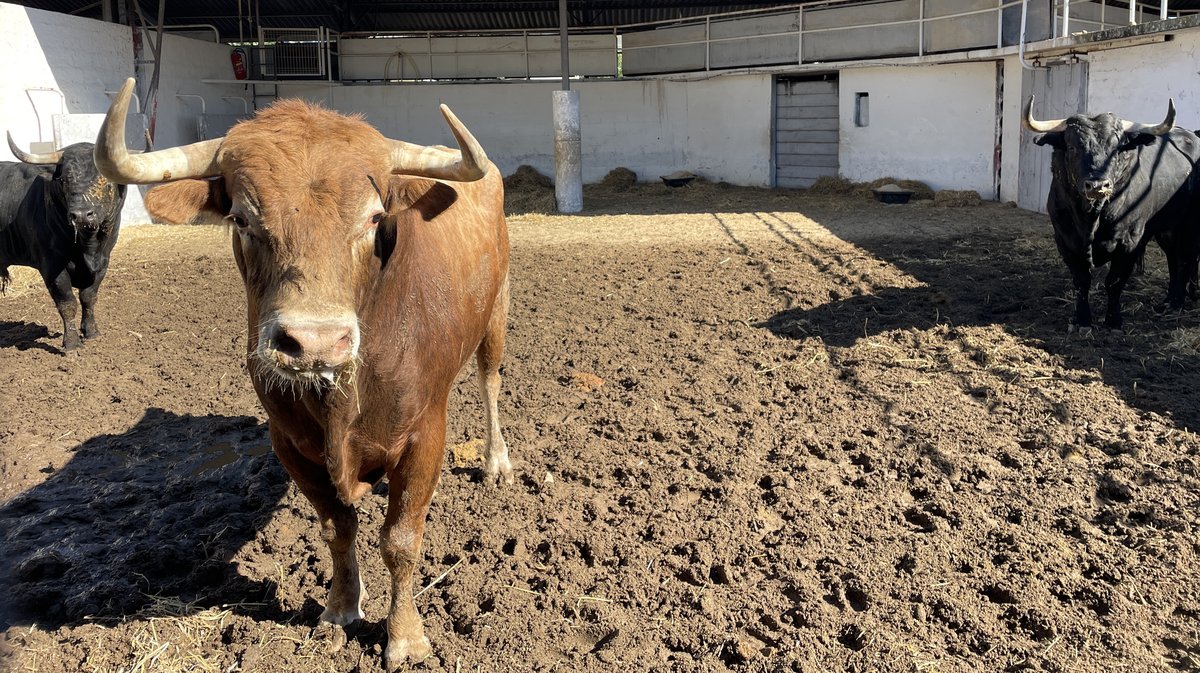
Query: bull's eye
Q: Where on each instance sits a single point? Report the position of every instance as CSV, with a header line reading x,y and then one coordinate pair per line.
x,y
237,220
376,218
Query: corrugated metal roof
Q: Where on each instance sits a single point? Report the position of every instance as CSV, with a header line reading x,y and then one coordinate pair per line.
x,y
404,15
455,15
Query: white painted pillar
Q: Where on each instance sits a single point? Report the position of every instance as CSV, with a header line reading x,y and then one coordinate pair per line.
x,y
568,165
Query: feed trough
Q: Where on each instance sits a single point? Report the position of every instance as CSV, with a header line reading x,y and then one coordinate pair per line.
x,y
892,193
678,178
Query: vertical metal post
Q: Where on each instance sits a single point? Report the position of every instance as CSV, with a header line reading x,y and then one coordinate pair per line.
x,y
920,27
800,36
563,46
1162,9
1066,18
525,34
707,37
568,146
999,23
429,48
1103,6
1132,12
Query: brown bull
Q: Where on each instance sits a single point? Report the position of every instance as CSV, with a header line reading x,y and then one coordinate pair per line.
x,y
373,269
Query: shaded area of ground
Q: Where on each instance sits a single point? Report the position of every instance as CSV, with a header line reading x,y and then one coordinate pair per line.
x,y
756,430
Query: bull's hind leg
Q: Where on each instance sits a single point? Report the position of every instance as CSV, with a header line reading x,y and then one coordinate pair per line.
x,y
496,466
339,525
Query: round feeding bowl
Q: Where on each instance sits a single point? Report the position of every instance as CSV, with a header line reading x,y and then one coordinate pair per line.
x,y
892,194
677,179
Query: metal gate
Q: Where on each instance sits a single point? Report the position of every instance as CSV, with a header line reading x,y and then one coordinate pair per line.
x,y
806,130
1061,91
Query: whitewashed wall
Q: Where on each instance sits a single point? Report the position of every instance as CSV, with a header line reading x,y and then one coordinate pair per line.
x,y
78,57
83,58
1135,82
719,128
184,63
1010,138
933,123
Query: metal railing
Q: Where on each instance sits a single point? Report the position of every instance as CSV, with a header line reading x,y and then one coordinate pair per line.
x,y
926,33
1110,15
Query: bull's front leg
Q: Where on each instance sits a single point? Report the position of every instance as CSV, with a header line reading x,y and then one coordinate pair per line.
x,y
339,525
1081,278
1119,270
59,283
410,487
87,297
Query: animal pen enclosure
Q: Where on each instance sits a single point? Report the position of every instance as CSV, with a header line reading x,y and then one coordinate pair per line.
x,y
755,429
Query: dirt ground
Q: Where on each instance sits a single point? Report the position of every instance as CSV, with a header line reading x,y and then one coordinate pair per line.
x,y
754,430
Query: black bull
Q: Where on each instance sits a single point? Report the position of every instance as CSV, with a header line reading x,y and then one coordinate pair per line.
x,y
1115,185
61,217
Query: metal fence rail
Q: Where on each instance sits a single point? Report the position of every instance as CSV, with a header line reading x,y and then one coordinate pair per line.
x,y
822,31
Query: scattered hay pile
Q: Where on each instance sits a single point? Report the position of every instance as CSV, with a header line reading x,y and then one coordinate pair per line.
x,y
836,185
957,198
528,191
833,185
619,179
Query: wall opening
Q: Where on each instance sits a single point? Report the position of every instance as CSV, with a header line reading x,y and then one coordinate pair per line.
x,y
862,108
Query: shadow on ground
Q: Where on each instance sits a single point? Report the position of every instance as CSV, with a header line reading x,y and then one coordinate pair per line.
x,y
157,511
1005,276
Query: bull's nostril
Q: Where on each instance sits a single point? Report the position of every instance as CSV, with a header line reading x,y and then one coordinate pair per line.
x,y
287,345
341,348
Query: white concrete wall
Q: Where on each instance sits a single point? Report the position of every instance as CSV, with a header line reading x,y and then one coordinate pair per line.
x,y
83,58
184,63
1135,82
933,123
1010,138
719,128
80,58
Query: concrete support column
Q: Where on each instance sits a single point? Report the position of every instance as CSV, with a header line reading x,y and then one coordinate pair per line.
x,y
568,165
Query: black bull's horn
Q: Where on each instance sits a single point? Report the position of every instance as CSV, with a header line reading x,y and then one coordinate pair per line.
x,y
200,160
32,158
1059,125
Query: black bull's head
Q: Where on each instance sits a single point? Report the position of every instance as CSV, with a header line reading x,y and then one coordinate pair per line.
x,y
1098,163
87,198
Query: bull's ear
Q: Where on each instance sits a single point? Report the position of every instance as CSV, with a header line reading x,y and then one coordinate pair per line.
x,y
189,202
427,197
1054,140
1133,140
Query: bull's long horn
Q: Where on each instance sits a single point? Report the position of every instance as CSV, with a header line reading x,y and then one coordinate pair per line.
x,y
30,158
198,160
1156,129
1049,126
434,162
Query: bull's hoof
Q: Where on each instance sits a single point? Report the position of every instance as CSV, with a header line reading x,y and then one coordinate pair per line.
x,y
70,344
400,651
498,473
333,635
89,331
1084,332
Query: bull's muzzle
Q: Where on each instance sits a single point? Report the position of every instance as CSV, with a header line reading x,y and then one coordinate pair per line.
x,y
1098,190
84,218
310,348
